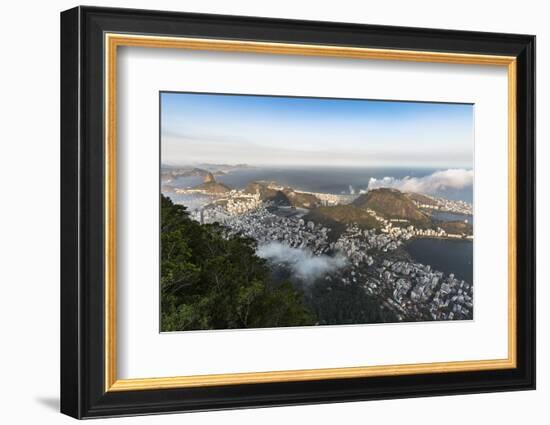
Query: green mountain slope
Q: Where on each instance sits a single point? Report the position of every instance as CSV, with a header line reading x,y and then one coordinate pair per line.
x,y
391,203
345,214
210,280
284,196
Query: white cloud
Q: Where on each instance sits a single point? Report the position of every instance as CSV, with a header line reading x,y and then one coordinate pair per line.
x,y
456,178
303,262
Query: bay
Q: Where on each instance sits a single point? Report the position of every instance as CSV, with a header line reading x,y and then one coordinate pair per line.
x,y
446,255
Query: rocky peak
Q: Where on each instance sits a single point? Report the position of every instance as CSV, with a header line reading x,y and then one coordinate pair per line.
x,y
209,178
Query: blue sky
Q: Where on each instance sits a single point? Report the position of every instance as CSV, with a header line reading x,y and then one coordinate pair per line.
x,y
269,130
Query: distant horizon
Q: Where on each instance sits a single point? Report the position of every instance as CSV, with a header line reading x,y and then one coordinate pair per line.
x,y
295,131
281,165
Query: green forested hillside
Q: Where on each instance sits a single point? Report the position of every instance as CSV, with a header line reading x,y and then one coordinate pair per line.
x,y
344,214
391,203
211,281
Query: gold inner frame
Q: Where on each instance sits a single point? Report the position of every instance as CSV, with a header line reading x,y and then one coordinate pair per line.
x,y
113,41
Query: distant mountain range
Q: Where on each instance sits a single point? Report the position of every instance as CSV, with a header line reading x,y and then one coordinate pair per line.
x,y
224,167
388,203
283,196
173,173
200,169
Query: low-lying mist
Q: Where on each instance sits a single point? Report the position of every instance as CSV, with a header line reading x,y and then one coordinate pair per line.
x,y
303,263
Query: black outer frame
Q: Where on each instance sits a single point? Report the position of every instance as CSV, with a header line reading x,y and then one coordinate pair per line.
x,y
82,219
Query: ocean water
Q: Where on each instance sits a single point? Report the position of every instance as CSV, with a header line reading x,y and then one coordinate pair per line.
x,y
335,180
446,255
447,216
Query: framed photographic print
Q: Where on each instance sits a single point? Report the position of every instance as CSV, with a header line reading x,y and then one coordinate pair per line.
x,y
261,212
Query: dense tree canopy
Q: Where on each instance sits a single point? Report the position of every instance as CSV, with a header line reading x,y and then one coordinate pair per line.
x,y
210,280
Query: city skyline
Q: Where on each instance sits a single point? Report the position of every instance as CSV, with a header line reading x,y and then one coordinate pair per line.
x,y
270,130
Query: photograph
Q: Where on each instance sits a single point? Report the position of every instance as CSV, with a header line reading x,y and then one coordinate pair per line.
x,y
281,211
